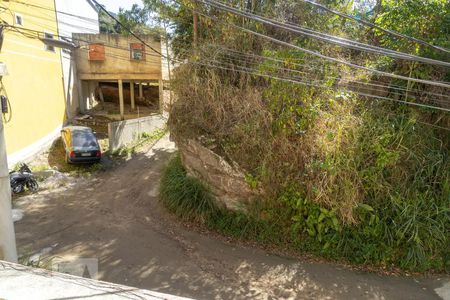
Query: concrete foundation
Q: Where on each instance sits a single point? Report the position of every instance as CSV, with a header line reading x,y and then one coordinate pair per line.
x,y
125,132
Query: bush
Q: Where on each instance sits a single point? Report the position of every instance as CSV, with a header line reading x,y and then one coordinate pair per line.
x,y
342,176
184,195
410,234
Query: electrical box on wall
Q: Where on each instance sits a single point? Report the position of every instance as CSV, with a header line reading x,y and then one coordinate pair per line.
x,y
96,52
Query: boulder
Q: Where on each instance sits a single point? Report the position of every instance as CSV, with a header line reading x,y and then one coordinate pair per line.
x,y
227,181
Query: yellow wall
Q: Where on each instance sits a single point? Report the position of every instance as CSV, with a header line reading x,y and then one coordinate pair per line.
x,y
34,85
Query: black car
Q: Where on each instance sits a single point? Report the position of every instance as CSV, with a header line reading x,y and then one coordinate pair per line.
x,y
80,144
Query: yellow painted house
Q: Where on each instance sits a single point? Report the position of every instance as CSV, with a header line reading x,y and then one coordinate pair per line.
x,y
34,84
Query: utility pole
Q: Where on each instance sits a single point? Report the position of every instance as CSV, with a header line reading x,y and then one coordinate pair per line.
x,y
168,61
8,250
195,19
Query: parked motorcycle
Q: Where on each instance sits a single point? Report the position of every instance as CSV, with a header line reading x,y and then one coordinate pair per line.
x,y
21,179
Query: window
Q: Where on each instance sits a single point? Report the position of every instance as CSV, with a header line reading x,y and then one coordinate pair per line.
x,y
96,52
137,51
18,19
49,47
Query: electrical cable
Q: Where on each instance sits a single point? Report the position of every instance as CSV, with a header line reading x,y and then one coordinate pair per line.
x,y
325,37
248,58
53,10
313,84
126,28
317,54
320,86
372,25
127,59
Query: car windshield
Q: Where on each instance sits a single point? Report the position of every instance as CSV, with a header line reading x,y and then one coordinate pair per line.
x,y
83,139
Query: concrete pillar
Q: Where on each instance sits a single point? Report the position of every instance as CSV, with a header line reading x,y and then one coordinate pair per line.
x,y
121,105
84,105
92,100
132,95
80,94
141,92
161,95
100,95
8,250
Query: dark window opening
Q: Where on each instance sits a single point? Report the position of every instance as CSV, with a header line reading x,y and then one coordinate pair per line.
x,y
137,51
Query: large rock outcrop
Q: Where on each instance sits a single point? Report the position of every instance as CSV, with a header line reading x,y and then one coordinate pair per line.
x,y
226,181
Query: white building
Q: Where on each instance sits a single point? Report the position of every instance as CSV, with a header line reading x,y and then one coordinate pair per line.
x,y
79,16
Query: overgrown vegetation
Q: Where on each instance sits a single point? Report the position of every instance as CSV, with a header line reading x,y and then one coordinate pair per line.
x,y
342,174
186,196
398,234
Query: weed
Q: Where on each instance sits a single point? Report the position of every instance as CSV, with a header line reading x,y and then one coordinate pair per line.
x,y
39,262
361,180
144,139
400,233
184,195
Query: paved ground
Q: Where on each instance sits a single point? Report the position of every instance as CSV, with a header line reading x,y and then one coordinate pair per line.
x,y
118,220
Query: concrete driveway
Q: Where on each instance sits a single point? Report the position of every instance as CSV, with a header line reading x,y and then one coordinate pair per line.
x,y
117,220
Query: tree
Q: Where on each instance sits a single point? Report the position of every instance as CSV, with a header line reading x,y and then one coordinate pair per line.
x,y
136,19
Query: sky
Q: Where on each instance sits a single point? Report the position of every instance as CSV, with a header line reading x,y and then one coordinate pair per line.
x,y
114,5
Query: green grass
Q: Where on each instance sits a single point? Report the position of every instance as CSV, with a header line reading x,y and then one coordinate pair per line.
x,y
184,195
145,139
406,235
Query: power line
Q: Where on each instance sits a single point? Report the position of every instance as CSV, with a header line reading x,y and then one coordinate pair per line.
x,y
53,10
319,86
38,33
244,69
126,28
325,37
348,86
336,60
106,11
372,25
266,58
47,26
282,69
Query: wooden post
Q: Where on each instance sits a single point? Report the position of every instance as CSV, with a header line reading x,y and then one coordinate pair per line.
x,y
141,93
121,105
195,20
8,250
132,95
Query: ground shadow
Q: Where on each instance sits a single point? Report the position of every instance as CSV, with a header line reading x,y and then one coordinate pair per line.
x,y
118,220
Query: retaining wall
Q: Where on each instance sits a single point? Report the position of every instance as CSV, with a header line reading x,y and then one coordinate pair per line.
x,y
125,132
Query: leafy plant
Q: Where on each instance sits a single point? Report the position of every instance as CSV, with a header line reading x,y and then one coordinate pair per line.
x,y
184,195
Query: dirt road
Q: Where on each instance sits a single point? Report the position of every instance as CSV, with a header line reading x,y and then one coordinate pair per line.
x,y
117,219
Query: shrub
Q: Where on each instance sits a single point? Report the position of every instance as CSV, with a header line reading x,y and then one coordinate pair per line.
x,y
345,177
400,234
184,195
